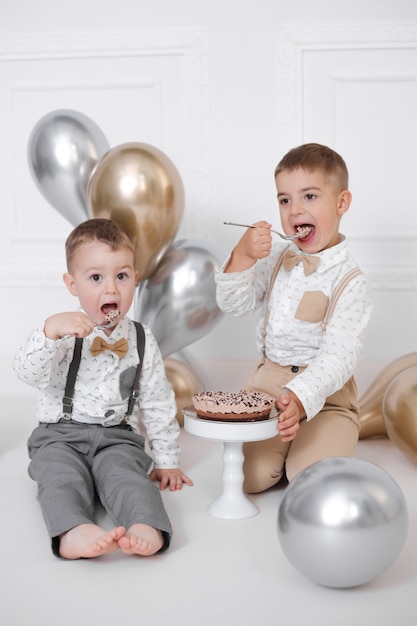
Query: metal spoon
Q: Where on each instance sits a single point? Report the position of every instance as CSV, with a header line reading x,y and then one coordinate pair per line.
x,y
106,326
302,233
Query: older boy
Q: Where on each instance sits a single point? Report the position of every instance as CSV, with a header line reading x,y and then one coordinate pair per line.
x,y
315,310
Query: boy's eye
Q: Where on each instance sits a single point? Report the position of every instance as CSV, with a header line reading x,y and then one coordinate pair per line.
x,y
96,277
284,201
121,276
310,196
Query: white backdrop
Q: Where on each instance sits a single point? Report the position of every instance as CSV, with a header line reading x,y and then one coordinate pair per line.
x,y
224,88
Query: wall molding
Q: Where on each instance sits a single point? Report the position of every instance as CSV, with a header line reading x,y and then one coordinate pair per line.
x,y
93,44
293,41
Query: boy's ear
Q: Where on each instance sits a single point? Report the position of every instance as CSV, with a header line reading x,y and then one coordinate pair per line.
x,y
344,200
69,282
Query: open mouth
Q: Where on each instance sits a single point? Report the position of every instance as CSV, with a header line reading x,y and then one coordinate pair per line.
x,y
304,230
111,312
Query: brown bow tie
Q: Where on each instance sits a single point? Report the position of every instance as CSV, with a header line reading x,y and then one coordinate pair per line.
x,y
119,347
292,259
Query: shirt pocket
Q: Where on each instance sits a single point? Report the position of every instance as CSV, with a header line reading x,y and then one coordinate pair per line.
x,y
312,307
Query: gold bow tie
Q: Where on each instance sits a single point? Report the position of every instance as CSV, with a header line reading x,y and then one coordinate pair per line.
x,y
292,259
119,347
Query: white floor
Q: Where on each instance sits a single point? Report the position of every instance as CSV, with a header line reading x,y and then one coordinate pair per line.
x,y
216,571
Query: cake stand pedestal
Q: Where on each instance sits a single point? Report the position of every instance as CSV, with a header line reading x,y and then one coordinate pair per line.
x,y
232,503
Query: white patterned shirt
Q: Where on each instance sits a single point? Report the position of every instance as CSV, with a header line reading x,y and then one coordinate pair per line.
x,y
103,385
294,333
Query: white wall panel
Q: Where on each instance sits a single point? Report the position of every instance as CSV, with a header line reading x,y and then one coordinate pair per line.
x,y
355,89
150,88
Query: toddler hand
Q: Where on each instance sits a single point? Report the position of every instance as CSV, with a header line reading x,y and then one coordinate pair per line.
x,y
172,478
71,323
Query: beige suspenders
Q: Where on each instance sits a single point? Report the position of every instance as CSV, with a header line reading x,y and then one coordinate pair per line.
x,y
268,295
330,307
337,293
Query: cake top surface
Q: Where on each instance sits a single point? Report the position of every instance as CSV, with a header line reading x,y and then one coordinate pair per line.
x,y
242,400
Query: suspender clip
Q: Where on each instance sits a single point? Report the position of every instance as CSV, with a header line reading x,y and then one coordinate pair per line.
x,y
67,404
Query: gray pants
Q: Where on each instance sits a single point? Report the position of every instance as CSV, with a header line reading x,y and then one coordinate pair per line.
x,y
74,463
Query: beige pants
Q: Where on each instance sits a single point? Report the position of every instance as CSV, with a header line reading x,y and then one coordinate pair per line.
x,y
332,432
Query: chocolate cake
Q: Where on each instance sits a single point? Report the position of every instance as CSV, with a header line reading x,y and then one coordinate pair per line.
x,y
225,405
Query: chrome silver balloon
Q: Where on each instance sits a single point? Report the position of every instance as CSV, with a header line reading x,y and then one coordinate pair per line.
x,y
64,147
178,302
342,522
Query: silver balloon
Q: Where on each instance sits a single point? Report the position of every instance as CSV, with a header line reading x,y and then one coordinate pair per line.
x,y
64,147
178,302
342,522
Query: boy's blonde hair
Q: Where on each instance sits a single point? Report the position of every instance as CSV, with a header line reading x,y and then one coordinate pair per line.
x,y
314,156
97,229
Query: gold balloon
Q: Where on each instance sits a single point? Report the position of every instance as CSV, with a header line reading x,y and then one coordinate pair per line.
x,y
184,383
371,417
138,186
400,412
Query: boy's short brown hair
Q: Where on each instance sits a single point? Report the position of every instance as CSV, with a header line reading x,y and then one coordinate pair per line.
x,y
314,156
97,229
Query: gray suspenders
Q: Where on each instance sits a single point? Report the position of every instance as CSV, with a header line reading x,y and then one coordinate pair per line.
x,y
75,363
330,307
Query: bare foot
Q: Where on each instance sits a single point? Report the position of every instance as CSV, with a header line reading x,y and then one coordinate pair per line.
x,y
88,541
141,539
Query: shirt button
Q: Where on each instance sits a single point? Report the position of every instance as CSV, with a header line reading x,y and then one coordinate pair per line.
x,y
294,369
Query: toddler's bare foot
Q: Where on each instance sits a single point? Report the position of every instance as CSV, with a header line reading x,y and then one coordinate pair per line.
x,y
88,541
141,539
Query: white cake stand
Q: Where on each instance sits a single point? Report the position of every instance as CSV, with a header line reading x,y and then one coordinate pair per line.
x,y
233,503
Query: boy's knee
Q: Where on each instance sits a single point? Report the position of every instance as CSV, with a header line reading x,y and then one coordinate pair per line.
x,y
257,484
261,471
